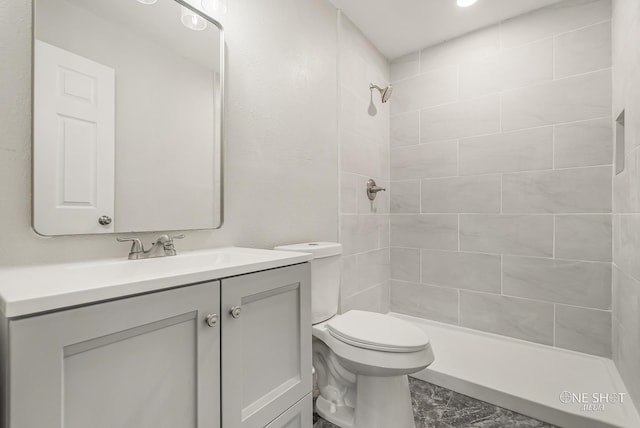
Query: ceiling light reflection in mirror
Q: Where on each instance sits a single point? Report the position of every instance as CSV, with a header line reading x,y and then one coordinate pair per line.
x,y
192,20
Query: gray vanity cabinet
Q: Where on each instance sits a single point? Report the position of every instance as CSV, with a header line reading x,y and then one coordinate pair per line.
x,y
266,349
146,361
155,360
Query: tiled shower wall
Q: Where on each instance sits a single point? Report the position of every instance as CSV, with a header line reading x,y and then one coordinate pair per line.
x,y
626,224
501,179
364,154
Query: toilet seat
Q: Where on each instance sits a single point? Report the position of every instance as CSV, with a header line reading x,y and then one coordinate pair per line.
x,y
378,332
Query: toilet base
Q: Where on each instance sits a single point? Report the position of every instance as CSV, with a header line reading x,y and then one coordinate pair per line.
x,y
381,402
341,416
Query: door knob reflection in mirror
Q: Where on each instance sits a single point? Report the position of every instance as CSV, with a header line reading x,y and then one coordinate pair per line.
x,y
105,220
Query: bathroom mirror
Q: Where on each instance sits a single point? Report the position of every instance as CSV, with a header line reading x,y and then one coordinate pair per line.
x,y
127,117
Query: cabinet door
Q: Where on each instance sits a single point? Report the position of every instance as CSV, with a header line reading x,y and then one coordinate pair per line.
x,y
266,350
300,415
149,361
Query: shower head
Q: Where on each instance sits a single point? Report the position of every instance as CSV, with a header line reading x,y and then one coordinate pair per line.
x,y
385,93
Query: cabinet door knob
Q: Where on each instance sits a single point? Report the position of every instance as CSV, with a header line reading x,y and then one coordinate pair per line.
x,y
235,312
212,320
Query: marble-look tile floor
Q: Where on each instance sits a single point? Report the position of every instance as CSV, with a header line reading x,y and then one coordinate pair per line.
x,y
437,407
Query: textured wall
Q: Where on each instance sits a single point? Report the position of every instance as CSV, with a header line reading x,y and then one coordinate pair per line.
x,y
364,154
626,205
501,179
281,154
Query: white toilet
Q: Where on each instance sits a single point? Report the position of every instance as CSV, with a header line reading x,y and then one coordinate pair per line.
x,y
361,358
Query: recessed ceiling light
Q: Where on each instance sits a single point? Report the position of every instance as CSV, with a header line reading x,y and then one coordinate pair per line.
x,y
466,3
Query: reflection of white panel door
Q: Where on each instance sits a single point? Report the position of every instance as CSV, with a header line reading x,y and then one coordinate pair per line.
x,y
74,139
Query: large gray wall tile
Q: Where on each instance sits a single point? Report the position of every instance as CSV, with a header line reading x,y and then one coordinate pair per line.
x,y
348,193
479,272
583,237
585,143
405,197
549,21
627,361
429,89
584,50
405,129
509,316
424,160
349,276
462,119
480,194
527,65
360,233
374,299
405,66
373,268
583,330
587,96
376,161
572,282
478,44
405,264
507,234
627,186
425,231
627,244
626,302
526,150
579,190
435,303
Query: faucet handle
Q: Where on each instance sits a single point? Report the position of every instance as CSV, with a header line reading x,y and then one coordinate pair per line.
x,y
169,248
136,244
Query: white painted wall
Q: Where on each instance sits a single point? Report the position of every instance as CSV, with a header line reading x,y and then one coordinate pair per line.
x,y
280,156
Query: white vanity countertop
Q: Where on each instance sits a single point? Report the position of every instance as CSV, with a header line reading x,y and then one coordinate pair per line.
x,y
33,289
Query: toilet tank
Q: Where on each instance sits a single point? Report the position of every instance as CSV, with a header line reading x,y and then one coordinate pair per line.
x,y
325,277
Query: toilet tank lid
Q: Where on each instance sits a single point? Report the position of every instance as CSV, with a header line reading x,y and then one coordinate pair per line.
x,y
318,249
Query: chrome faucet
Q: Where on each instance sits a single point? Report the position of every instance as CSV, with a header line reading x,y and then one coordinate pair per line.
x,y
163,247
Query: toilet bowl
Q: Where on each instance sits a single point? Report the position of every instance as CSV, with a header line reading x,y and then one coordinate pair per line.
x,y
361,358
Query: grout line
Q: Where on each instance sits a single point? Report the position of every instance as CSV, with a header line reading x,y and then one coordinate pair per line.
x,y
508,172
498,214
573,30
481,253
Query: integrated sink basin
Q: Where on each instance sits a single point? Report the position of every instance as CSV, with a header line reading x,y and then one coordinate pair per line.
x,y
34,289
